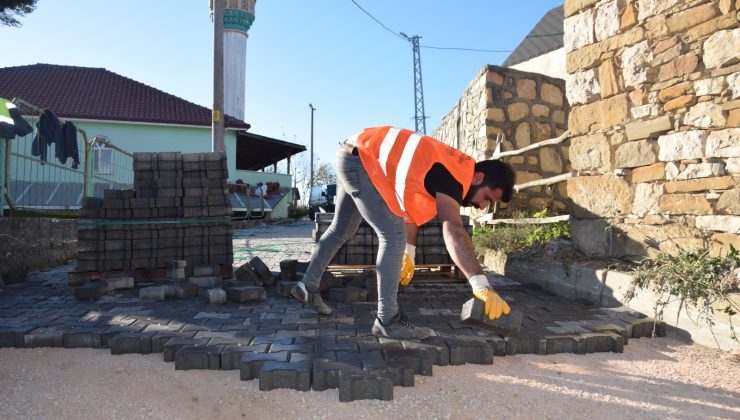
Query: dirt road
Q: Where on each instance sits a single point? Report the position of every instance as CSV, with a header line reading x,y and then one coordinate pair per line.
x,y
660,378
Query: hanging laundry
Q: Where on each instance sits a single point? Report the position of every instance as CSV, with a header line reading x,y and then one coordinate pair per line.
x,y
70,150
11,121
49,132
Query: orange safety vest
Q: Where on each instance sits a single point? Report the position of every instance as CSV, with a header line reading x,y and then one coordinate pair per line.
x,y
397,160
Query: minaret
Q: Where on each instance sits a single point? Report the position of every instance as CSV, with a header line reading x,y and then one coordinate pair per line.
x,y
238,18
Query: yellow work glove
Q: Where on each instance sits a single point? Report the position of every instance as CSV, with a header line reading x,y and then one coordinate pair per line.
x,y
496,306
407,270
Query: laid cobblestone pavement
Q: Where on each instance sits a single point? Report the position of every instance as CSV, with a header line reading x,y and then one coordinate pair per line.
x,y
284,345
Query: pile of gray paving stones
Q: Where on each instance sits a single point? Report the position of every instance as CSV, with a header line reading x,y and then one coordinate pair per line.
x,y
276,340
178,210
362,247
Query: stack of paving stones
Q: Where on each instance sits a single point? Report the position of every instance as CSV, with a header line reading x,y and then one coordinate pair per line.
x,y
283,344
362,247
178,210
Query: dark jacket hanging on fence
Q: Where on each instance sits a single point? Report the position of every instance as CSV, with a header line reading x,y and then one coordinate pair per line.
x,y
70,145
49,132
11,121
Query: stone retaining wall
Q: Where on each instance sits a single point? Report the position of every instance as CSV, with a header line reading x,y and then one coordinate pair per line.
x,y
29,243
527,108
654,87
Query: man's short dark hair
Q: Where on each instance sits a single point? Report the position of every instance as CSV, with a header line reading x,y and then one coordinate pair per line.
x,y
497,174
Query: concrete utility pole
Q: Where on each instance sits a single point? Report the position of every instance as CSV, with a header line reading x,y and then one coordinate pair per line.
x,y
311,176
218,77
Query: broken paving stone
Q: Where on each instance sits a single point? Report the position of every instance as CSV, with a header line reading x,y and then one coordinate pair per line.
x,y
326,373
118,283
402,373
644,327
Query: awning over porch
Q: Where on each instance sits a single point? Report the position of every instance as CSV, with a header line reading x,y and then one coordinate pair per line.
x,y
255,152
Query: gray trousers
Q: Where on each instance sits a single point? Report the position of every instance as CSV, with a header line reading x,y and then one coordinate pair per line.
x,y
357,198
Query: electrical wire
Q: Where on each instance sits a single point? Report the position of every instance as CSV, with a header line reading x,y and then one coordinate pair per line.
x,y
424,46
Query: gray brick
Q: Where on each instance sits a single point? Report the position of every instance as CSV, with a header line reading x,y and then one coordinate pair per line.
x,y
44,337
348,295
603,342
205,281
419,360
262,271
170,348
291,375
199,357
232,355
469,350
216,296
82,337
365,385
118,283
283,287
246,293
473,313
14,336
522,345
90,291
246,274
152,294
205,270
610,328
644,327
401,373
186,290
131,343
326,373
565,344
434,346
161,338
251,363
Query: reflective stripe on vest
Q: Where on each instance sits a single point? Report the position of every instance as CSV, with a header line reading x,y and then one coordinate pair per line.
x,y
397,168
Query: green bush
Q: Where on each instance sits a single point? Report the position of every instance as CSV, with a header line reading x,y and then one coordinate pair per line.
x,y
514,237
693,276
297,212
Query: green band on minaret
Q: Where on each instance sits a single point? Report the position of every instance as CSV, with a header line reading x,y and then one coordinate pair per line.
x,y
238,20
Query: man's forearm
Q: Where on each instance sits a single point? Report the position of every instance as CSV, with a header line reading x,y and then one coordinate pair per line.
x,y
460,247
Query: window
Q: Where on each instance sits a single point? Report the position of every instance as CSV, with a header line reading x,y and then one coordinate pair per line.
x,y
103,162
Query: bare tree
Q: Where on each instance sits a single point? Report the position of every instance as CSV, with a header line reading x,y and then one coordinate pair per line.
x,y
9,9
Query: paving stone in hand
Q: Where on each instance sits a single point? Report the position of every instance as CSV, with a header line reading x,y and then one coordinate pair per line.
x,y
473,313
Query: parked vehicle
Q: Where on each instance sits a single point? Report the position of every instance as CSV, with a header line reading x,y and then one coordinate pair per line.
x,y
321,199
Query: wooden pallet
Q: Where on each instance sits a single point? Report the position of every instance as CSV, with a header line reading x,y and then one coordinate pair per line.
x,y
424,273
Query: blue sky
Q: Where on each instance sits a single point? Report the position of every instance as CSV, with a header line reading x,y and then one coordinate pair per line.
x,y
325,52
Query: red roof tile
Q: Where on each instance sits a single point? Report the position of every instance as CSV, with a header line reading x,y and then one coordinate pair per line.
x,y
98,94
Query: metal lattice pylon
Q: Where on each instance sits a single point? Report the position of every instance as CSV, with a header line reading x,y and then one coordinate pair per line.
x,y
420,117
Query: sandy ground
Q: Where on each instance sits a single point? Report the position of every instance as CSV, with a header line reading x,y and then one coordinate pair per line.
x,y
659,378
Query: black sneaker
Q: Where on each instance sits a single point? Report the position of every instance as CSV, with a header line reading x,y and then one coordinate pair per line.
x,y
313,300
401,328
